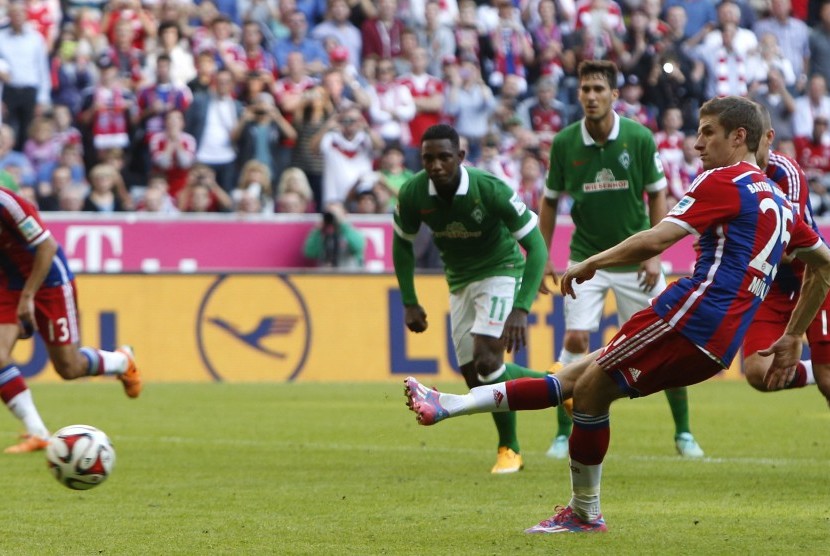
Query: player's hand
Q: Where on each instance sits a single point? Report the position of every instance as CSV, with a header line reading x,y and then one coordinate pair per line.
x,y
579,273
514,334
649,274
26,316
549,272
785,352
415,318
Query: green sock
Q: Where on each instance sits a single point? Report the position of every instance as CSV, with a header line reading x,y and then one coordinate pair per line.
x,y
506,425
564,422
513,371
679,404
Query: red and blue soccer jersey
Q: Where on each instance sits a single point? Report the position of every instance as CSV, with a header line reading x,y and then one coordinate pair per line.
x,y
21,231
745,225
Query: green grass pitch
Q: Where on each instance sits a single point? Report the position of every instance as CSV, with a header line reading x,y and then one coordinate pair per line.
x,y
344,469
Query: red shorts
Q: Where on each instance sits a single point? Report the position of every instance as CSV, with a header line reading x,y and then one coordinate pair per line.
x,y
771,320
647,355
56,313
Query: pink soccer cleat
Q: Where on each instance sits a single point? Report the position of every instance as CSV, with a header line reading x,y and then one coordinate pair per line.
x,y
566,521
423,402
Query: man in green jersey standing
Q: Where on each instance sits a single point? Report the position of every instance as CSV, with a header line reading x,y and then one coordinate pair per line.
x,y
607,164
478,224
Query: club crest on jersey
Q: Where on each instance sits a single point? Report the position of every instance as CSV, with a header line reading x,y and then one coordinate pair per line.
x,y
477,214
625,159
456,230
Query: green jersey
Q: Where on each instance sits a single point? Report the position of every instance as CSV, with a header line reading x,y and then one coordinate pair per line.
x,y
477,233
606,182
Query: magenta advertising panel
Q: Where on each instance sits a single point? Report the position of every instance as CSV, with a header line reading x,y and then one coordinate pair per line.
x,y
139,243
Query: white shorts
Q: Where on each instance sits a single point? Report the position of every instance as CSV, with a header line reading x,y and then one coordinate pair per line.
x,y
585,312
480,308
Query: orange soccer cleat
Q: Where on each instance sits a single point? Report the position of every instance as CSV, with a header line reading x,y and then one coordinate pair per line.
x,y
29,443
131,378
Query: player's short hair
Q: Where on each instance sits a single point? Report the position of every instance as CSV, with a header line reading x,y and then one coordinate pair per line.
x,y
766,119
735,112
599,67
441,131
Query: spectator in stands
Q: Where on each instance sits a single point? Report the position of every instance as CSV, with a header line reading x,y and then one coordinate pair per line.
x,y
813,152
313,54
226,47
391,106
213,119
403,61
10,158
48,192
692,167
543,113
107,109
394,171
444,13
435,37
156,198
107,190
641,45
253,193
769,56
507,102
132,14
600,27
819,44
813,104
470,102
493,161
342,83
71,71
334,243
382,34
511,48
261,12
202,193
792,36
319,104
29,84
182,65
173,152
531,183
71,158
205,74
291,203
780,104
263,127
547,42
819,196
468,33
66,132
726,66
127,58
71,199
294,181
630,103
428,96
742,41
292,92
258,60
43,147
366,202
337,26
669,142
348,145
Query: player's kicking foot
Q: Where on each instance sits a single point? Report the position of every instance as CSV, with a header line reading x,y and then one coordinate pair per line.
x,y
507,461
29,443
423,402
566,521
687,446
559,448
131,378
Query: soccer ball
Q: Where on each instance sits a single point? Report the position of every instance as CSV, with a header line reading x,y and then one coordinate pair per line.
x,y
80,457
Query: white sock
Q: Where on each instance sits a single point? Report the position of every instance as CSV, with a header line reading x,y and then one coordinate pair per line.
x,y
585,482
490,398
566,357
494,376
808,366
23,407
114,362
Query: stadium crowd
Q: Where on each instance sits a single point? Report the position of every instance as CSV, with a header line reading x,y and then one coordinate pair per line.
x,y
262,106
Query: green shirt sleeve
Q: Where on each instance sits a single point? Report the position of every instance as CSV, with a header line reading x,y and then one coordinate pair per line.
x,y
403,258
313,247
534,245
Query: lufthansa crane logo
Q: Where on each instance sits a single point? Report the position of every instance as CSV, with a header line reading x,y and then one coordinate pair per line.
x,y
253,328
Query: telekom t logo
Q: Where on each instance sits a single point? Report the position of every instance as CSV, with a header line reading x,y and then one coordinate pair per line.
x,y
92,240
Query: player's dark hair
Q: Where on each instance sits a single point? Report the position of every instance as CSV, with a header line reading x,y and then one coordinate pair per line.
x,y
599,67
766,119
442,131
733,113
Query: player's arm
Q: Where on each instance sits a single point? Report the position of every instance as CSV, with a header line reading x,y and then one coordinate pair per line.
x,y
514,334
403,260
44,253
786,351
639,247
547,224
